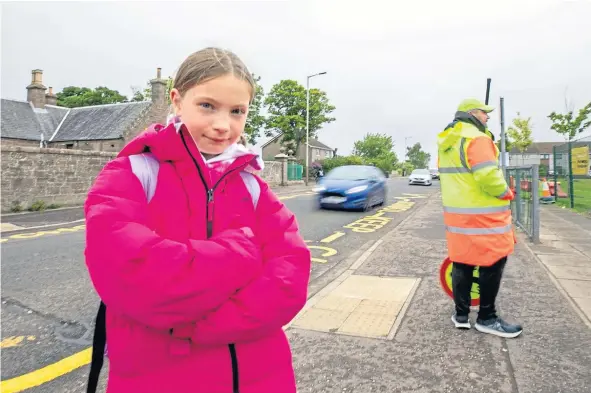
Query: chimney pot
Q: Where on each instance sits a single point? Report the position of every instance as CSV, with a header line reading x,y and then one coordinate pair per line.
x,y
158,73
37,77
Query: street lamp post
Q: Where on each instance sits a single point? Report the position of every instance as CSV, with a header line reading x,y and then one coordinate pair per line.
x,y
308,124
405,150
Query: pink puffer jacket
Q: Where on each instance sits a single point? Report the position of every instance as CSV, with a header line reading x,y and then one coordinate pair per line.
x,y
187,310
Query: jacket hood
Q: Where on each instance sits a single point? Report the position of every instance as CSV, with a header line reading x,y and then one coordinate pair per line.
x,y
450,135
167,143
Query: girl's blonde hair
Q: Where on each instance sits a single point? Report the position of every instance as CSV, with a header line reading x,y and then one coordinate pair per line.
x,y
210,63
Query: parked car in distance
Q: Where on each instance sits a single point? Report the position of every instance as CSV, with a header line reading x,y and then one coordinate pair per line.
x,y
420,176
434,173
352,187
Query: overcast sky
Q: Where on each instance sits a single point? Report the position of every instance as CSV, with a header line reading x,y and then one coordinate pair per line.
x,y
394,67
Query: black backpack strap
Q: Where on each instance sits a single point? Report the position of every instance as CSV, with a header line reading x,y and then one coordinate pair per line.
x,y
99,342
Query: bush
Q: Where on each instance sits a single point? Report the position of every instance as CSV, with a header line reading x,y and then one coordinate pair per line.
x,y
38,206
386,164
331,163
16,207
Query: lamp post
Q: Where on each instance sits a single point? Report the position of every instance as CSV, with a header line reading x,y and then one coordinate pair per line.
x,y
308,123
405,151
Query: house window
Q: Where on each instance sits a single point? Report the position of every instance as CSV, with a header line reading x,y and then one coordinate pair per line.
x,y
69,145
545,156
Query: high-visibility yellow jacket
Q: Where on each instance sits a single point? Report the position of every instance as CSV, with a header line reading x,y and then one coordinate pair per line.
x,y
475,195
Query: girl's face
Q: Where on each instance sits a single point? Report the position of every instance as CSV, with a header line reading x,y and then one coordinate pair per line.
x,y
214,112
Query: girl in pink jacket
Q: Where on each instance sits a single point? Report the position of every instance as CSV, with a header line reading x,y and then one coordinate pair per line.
x,y
198,279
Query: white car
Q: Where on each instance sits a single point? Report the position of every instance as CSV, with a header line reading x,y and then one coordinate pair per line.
x,y
420,176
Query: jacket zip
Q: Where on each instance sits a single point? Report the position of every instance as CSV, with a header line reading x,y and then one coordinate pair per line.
x,y
209,226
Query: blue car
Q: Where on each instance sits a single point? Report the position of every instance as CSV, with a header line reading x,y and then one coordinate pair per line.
x,y
352,187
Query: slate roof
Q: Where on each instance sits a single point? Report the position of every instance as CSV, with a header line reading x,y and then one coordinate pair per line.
x,y
20,121
313,143
101,122
318,144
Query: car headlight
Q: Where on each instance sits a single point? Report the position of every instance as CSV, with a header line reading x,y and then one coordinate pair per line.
x,y
319,189
355,189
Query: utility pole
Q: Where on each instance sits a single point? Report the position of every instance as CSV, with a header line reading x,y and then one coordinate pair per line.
x,y
308,124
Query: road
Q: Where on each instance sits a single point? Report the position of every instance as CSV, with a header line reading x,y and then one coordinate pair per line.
x,y
49,305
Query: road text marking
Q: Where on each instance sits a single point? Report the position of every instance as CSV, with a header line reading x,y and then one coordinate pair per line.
x,y
15,341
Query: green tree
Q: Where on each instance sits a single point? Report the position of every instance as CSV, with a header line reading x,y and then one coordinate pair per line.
x,y
405,168
286,106
568,126
73,97
417,157
520,133
378,150
255,121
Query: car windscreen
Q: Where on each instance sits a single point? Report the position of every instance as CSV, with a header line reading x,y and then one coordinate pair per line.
x,y
420,172
349,173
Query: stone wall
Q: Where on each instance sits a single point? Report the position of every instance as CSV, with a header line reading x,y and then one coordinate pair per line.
x,y
50,175
109,145
19,142
271,173
63,177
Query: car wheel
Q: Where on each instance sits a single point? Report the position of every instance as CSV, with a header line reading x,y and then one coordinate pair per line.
x,y
367,204
383,202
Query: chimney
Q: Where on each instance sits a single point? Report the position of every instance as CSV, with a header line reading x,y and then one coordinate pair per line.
x,y
159,89
50,98
36,90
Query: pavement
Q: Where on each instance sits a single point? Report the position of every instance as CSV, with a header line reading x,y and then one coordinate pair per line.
x,y
376,320
565,251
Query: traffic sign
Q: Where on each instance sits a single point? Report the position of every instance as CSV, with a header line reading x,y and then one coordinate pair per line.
x,y
445,279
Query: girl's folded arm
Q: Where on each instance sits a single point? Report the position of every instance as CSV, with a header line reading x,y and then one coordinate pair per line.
x,y
157,281
273,299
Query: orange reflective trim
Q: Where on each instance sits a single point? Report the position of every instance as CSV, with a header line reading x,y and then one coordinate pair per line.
x,y
490,220
481,150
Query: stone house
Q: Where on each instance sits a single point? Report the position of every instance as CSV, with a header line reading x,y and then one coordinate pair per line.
x,y
39,122
540,153
318,150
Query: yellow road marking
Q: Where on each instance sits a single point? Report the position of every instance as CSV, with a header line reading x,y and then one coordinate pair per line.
x,y
33,235
46,374
372,223
328,252
14,341
332,237
282,198
415,196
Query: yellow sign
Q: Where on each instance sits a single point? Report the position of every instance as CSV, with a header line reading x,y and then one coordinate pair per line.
x,y
580,161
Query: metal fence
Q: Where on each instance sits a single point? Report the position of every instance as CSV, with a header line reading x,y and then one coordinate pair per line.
x,y
525,208
572,174
294,171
